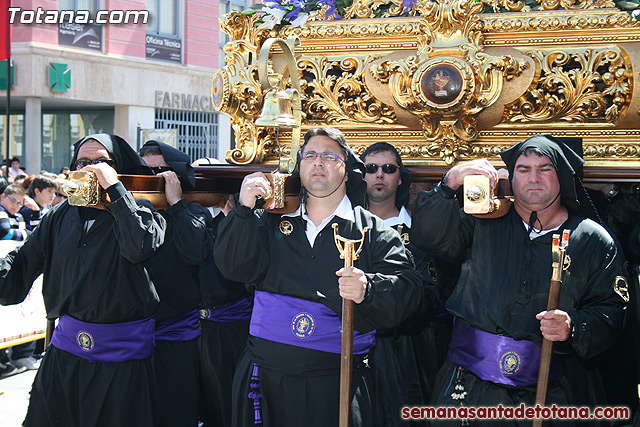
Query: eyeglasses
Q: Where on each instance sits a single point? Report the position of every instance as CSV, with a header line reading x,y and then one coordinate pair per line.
x,y
61,195
159,169
15,201
327,155
386,168
80,163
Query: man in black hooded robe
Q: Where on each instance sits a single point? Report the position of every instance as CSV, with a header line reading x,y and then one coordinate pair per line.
x,y
174,271
500,299
97,370
289,374
401,358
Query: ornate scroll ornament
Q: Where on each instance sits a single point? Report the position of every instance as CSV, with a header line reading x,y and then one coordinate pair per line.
x,y
450,80
577,86
524,6
335,91
236,89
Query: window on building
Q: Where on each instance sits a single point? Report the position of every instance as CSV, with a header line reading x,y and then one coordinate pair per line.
x,y
197,131
227,6
16,135
163,17
91,5
60,129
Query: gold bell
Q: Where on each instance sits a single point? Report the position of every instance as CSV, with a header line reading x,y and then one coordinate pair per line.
x,y
277,111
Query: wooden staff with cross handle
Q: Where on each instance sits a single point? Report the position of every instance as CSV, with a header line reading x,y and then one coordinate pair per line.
x,y
349,252
559,249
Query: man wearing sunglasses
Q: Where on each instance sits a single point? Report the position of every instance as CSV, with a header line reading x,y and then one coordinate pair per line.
x,y
388,183
174,271
96,286
293,264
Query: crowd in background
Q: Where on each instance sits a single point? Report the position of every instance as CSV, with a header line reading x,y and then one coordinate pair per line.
x,y
24,200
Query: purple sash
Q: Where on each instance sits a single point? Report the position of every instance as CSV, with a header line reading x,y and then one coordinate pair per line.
x,y
109,342
236,311
183,328
302,323
497,358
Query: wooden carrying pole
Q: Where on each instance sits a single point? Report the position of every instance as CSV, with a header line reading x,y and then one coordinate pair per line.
x,y
559,248
349,253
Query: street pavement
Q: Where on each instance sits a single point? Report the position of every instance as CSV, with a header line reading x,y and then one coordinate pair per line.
x,y
14,398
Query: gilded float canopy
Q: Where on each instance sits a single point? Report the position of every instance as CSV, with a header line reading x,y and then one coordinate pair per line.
x,y
443,81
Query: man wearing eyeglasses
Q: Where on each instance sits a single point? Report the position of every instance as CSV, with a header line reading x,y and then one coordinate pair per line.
x,y
290,370
98,369
12,224
174,271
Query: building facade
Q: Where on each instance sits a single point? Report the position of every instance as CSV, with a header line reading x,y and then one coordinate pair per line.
x,y
72,77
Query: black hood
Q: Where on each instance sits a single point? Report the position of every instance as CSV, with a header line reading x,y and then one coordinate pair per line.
x,y
356,185
179,161
403,192
568,165
127,160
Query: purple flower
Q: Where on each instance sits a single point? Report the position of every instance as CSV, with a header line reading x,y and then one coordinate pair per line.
x,y
407,5
331,12
293,15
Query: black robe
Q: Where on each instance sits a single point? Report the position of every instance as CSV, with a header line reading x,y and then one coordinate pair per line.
x,y
97,277
221,343
300,386
404,359
174,271
504,283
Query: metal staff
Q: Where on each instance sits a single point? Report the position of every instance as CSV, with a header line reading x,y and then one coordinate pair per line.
x,y
559,248
349,253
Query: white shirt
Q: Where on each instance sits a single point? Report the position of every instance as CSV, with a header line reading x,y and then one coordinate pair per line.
x,y
344,210
403,218
537,233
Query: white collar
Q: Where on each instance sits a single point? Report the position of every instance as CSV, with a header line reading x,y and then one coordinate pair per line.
x,y
344,211
403,218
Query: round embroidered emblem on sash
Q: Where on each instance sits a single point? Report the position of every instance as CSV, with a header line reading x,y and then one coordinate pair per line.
x,y
205,313
85,340
510,363
303,325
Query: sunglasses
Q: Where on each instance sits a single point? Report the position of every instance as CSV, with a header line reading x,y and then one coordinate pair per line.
x,y
159,169
327,155
80,163
61,195
386,168
15,201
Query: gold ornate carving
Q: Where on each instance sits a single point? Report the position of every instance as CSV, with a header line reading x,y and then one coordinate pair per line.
x,y
546,21
368,9
576,86
520,6
450,80
359,29
335,91
371,78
